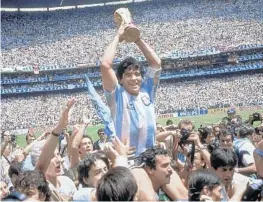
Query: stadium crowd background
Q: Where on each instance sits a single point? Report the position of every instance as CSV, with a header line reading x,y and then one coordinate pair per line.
x,y
68,38
212,58
79,36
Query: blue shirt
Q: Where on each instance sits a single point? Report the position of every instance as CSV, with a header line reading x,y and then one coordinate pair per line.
x,y
27,164
134,116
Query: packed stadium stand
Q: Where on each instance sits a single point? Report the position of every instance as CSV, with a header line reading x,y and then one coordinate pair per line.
x,y
212,54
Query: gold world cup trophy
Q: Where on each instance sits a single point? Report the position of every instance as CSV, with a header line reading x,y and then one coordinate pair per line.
x,y
122,16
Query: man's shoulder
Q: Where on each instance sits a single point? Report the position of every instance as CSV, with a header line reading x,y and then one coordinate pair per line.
x,y
82,194
152,72
65,179
247,145
242,143
239,178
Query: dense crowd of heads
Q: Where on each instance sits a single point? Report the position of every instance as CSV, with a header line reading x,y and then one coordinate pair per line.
x,y
223,158
241,89
216,162
79,36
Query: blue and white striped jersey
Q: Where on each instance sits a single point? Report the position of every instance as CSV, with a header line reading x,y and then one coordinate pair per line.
x,y
134,116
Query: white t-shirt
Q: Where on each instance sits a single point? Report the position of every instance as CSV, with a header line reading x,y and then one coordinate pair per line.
x,y
67,186
246,149
83,194
239,178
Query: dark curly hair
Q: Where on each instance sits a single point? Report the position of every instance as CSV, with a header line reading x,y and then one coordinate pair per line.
x,y
85,165
118,184
198,180
32,179
149,157
128,62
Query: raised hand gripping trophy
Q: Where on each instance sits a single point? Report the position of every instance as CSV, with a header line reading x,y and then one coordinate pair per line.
x,y
122,17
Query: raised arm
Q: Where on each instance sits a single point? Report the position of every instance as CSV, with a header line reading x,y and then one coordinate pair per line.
x,y
28,148
204,152
109,78
250,169
51,143
160,137
151,57
7,140
74,151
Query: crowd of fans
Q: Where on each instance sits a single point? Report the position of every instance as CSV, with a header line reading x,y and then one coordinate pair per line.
x,y
79,36
218,162
209,92
246,89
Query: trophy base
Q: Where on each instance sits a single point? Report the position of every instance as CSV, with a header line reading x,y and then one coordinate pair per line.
x,y
131,34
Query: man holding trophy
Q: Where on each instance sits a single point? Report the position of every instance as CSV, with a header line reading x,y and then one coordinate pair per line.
x,y
130,96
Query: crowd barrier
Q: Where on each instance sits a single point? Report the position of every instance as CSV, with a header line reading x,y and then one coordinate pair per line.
x,y
192,112
246,108
173,75
167,116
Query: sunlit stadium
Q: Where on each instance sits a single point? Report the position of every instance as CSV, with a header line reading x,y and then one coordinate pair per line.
x,y
211,55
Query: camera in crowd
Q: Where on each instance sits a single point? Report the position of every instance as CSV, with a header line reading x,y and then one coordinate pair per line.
x,y
244,130
6,133
254,191
204,132
184,136
254,117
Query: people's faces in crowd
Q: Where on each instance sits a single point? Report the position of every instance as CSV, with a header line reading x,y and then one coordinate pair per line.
x,y
215,192
204,184
198,161
216,131
34,194
6,136
30,139
131,80
4,189
86,146
226,174
102,135
256,138
55,165
231,114
98,169
210,138
186,126
225,141
34,185
163,171
8,150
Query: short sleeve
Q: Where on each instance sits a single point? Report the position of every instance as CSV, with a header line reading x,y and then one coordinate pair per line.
x,y
112,97
248,157
151,81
